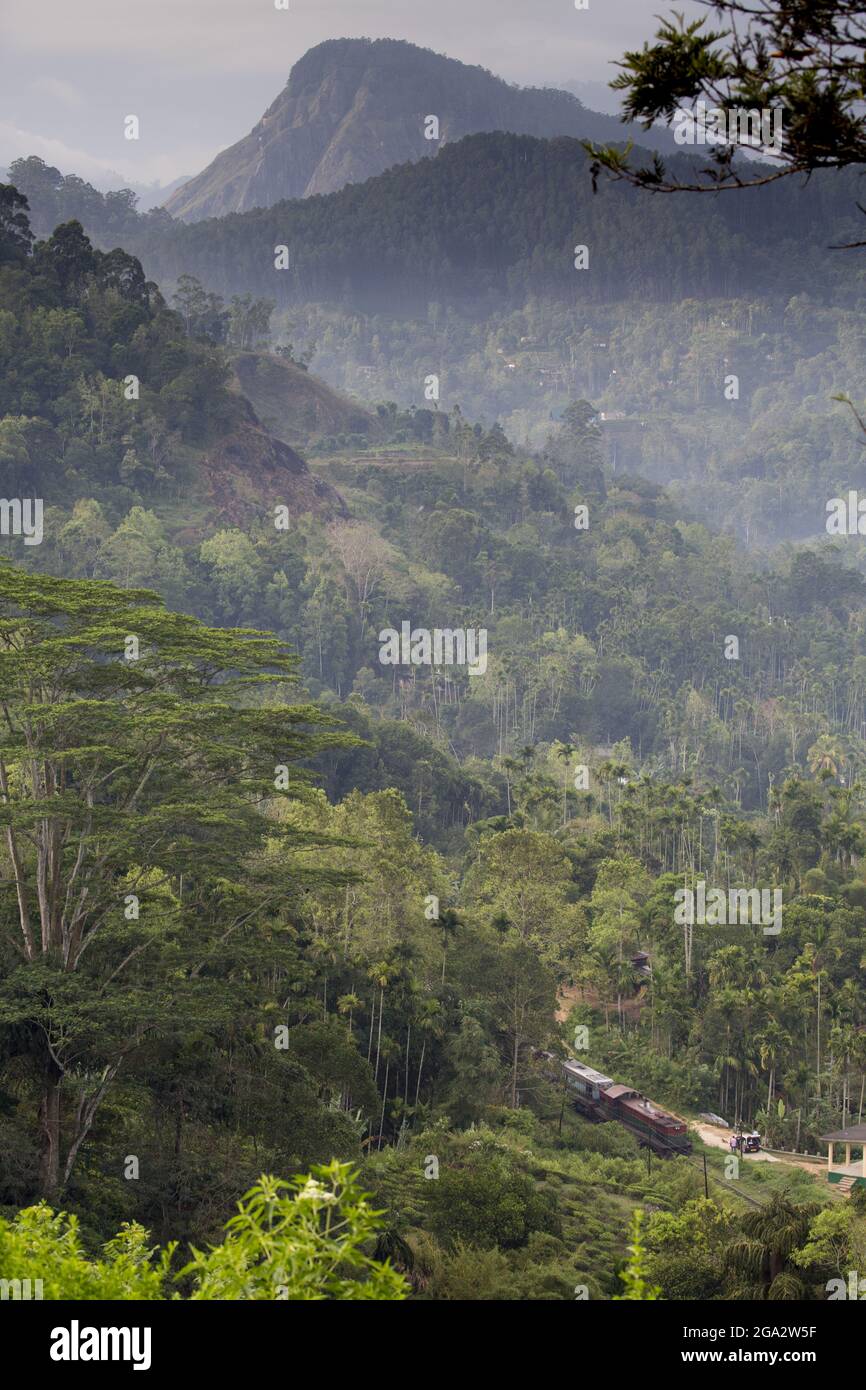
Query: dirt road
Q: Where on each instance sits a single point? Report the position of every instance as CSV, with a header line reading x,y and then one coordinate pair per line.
x,y
718,1138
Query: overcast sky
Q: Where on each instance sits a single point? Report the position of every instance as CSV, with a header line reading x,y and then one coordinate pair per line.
x,y
199,73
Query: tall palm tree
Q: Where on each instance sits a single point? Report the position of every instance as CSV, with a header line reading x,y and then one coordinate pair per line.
x,y
429,1023
760,1259
565,752
448,923
608,772
773,1043
380,974
827,755
858,1050
511,767
817,953
347,1004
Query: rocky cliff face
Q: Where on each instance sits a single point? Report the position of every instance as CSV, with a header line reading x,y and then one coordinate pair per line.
x,y
354,107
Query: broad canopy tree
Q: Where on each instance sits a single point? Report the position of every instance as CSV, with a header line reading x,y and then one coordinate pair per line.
x,y
139,752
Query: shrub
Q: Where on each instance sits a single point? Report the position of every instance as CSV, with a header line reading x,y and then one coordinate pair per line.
x,y
306,1239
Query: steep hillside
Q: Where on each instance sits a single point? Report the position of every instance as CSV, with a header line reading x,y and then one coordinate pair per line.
x,y
353,107
297,407
102,392
247,473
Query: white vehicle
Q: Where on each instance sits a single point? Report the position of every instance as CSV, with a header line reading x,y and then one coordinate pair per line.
x,y
747,1143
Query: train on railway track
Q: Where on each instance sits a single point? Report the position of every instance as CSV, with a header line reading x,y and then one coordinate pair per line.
x,y
601,1098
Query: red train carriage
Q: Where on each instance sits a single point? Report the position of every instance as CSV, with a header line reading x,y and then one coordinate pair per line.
x,y
648,1120
601,1098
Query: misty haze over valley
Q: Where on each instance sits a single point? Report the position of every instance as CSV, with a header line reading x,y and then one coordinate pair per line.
x,y
433,660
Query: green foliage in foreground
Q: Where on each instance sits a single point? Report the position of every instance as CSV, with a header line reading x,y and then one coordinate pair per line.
x,y
299,1240
634,1276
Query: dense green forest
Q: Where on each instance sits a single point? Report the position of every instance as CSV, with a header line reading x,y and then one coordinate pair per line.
x,y
490,222
269,904
462,268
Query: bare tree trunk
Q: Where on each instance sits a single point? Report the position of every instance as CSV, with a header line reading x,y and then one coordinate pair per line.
x,y
420,1069
818,1043
384,1095
49,1121
372,1028
379,1037
87,1108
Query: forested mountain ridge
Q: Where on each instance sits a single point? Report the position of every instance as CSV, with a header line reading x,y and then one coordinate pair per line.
x,y
102,389
267,987
463,267
493,220
376,749
415,511
351,108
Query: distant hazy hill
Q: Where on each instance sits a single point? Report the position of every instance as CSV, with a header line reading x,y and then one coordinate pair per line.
x,y
354,107
494,220
296,406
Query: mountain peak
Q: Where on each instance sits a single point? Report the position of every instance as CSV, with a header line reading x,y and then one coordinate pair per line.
x,y
352,108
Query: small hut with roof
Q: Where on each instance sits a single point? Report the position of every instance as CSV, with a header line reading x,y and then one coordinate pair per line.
x,y
847,1174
